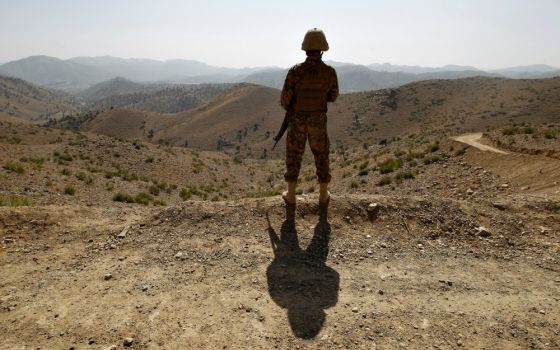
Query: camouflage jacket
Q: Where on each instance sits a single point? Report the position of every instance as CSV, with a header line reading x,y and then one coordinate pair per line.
x,y
309,86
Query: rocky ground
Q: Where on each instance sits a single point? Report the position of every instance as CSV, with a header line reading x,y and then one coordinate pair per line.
x,y
474,270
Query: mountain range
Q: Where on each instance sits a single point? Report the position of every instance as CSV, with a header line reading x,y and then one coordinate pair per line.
x,y
77,74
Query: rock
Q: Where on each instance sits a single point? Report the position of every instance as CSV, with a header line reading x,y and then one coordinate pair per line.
x,y
525,188
483,232
179,255
380,292
504,186
107,276
500,205
354,309
470,191
123,232
128,341
112,347
145,288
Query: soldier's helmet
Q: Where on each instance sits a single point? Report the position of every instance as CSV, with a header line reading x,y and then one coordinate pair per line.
x,y
315,40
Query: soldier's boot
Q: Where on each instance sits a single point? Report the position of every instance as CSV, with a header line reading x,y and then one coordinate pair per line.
x,y
289,196
324,194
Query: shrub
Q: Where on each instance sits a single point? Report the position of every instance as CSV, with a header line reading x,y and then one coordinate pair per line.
x,y
159,202
143,198
123,197
404,175
69,190
550,134
36,162
432,147
460,152
13,167
150,160
510,131
390,165
363,172
185,194
66,157
66,172
14,201
354,184
385,180
154,190
432,159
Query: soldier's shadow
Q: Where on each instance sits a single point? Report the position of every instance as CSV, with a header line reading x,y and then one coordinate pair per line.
x,y
299,280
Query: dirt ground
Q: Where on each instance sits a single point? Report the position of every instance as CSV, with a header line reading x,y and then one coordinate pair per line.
x,y
436,267
380,273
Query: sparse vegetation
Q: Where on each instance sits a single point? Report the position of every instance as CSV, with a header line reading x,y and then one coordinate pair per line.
x,y
385,180
69,190
13,167
404,175
14,201
390,165
140,198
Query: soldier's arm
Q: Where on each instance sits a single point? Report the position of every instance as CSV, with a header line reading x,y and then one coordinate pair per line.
x,y
332,95
288,90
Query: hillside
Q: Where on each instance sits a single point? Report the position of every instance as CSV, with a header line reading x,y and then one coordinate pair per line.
x,y
243,120
20,100
162,98
113,87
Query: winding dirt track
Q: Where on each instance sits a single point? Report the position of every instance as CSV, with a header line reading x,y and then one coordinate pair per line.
x,y
473,140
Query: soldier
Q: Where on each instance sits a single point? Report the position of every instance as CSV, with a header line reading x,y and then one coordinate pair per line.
x,y
307,89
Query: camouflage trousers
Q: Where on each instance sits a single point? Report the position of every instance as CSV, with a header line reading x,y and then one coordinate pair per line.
x,y
300,129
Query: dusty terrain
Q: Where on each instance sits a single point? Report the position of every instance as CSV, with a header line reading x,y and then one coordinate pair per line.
x,y
384,271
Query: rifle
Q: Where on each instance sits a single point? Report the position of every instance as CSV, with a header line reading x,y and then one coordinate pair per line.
x,y
282,130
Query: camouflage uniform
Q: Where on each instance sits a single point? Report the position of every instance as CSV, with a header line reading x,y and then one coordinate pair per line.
x,y
307,89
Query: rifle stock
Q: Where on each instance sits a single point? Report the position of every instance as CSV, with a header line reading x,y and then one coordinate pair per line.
x,y
282,130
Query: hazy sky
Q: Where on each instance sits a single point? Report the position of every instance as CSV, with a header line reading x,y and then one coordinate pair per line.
x,y
483,33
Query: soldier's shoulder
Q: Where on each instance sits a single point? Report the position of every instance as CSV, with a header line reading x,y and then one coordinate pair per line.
x,y
295,67
329,67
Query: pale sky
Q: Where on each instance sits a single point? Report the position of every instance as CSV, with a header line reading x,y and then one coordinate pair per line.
x,y
483,33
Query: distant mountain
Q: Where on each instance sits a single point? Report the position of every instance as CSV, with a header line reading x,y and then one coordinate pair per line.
x,y
388,67
551,74
81,72
271,78
54,73
526,72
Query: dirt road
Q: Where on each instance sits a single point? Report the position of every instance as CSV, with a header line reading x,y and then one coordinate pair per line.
x,y
473,140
